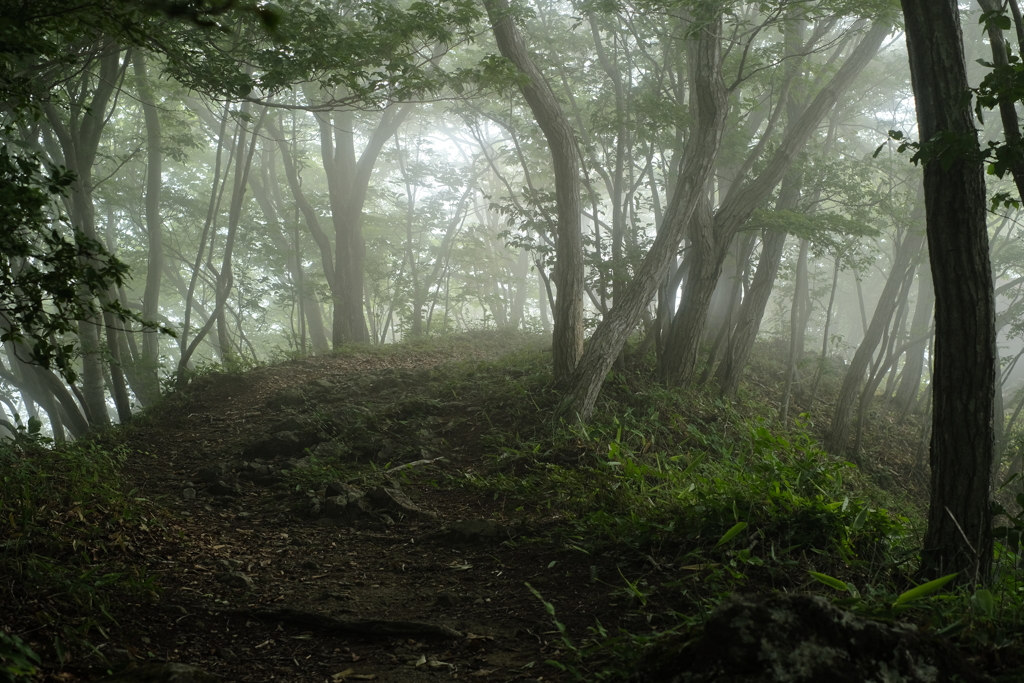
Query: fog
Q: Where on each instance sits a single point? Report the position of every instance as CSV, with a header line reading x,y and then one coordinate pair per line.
x,y
335,176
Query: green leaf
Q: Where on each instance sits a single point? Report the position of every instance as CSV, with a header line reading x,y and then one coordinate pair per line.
x,y
693,463
858,521
924,589
829,581
731,533
985,601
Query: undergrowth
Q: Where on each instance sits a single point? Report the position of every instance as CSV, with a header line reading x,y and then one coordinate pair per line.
x,y
717,499
67,538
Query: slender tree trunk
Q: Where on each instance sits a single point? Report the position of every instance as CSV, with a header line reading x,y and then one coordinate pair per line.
x,y
913,369
567,342
797,325
225,276
186,349
824,334
148,370
903,259
79,140
709,105
318,333
958,537
741,342
710,237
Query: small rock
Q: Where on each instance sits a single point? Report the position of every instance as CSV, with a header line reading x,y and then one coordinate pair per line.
x,y
303,463
286,398
395,501
349,508
331,450
255,469
222,488
166,672
213,473
236,579
338,488
475,531
188,493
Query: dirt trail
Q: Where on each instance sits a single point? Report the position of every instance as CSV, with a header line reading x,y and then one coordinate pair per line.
x,y
251,571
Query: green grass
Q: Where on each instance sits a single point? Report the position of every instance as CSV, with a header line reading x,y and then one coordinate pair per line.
x,y
708,489
67,536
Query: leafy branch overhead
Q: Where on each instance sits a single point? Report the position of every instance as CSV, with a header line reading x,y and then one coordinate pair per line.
x,y
49,282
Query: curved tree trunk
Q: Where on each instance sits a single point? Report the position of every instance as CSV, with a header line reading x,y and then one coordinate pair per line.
x,y
711,242
906,253
567,342
741,342
710,107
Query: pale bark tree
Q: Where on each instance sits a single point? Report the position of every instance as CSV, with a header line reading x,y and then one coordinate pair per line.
x,y
906,253
78,131
709,108
567,342
711,233
148,370
348,181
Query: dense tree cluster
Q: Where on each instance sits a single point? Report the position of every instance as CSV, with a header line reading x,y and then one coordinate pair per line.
x,y
300,176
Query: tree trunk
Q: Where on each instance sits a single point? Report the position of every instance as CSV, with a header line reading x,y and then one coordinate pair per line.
x,y
797,324
958,537
567,341
709,106
906,252
348,180
79,140
148,370
711,240
311,306
819,371
913,369
741,342
225,278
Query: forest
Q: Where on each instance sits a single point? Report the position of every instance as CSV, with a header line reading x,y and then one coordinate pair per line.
x,y
528,340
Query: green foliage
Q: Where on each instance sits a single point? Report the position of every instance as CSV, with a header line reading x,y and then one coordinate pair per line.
x,y
67,532
48,282
17,660
687,480
364,52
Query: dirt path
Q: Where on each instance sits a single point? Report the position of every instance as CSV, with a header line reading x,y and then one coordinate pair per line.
x,y
257,588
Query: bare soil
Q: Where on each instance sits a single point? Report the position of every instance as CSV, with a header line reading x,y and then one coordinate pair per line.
x,y
245,579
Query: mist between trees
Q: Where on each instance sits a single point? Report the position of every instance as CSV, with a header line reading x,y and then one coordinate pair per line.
x,y
229,185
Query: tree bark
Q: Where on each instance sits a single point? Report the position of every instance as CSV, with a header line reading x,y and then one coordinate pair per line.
x,y
348,180
741,342
712,240
798,315
567,341
709,107
148,372
906,253
958,537
913,369
79,139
